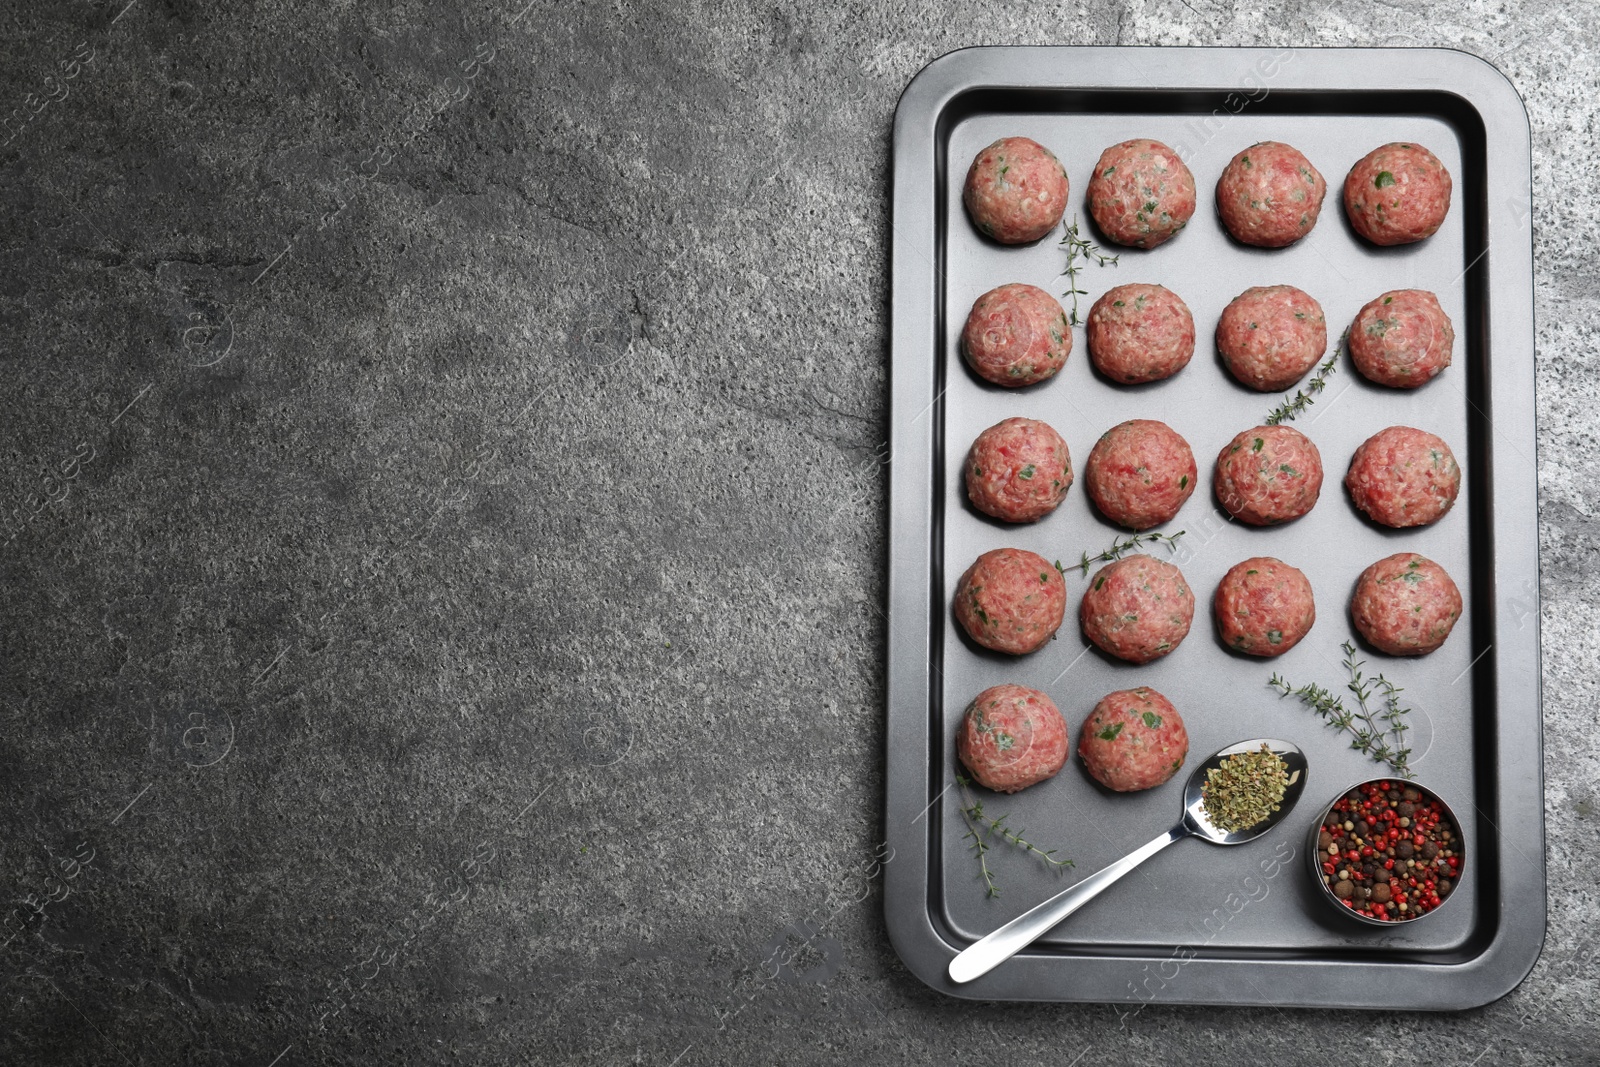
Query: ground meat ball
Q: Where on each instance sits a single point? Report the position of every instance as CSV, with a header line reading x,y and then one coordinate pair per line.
x,y
1268,475
1011,600
1012,737
1141,193
1397,194
1264,607
1404,477
1016,191
1403,339
1016,335
1270,335
1138,608
1140,473
1133,739
1270,195
1405,605
1140,333
1018,470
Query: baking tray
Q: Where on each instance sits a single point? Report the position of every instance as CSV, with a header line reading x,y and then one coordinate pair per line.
x,y
1199,924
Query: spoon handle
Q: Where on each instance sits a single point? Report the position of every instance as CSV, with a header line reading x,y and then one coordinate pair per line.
x,y
984,955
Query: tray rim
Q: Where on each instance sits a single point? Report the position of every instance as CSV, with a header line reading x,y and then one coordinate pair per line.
x,y
1518,758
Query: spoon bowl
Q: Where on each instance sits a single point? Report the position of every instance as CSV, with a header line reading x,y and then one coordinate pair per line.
x,y
985,954
1194,814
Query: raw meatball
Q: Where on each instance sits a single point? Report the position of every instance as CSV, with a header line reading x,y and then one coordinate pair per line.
x,y
1016,335
1404,477
1264,607
1011,600
1271,335
1138,609
1268,475
1397,194
1140,333
1016,191
1012,737
1018,470
1140,473
1270,195
1402,339
1141,193
1133,739
1405,605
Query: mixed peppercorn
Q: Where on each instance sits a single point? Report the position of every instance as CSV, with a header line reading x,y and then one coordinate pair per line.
x,y
1389,851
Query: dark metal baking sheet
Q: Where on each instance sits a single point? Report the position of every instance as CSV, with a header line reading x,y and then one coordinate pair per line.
x,y
1200,924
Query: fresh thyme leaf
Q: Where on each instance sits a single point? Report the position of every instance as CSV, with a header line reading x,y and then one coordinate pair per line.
x,y
1379,733
1076,247
1291,409
979,823
1117,548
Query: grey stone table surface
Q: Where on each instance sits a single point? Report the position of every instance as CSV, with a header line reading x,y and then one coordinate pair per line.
x,y
444,532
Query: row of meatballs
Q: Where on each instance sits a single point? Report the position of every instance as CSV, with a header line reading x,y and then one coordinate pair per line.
x,y
1140,608
1269,336
1012,737
1141,472
1142,194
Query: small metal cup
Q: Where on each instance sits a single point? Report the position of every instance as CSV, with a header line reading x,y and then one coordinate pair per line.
x,y
1317,855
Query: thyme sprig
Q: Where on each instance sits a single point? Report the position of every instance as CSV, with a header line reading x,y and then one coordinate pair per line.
x,y
1378,732
1079,251
1115,552
1293,408
973,815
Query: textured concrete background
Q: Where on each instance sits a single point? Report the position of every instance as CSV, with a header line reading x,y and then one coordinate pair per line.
x,y
445,533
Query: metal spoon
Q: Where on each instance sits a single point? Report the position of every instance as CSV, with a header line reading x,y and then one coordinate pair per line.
x,y
985,955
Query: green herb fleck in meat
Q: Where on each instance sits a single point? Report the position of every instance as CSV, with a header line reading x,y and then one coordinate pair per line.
x,y
1110,732
1383,180
1026,472
1257,446
1274,637
1152,720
